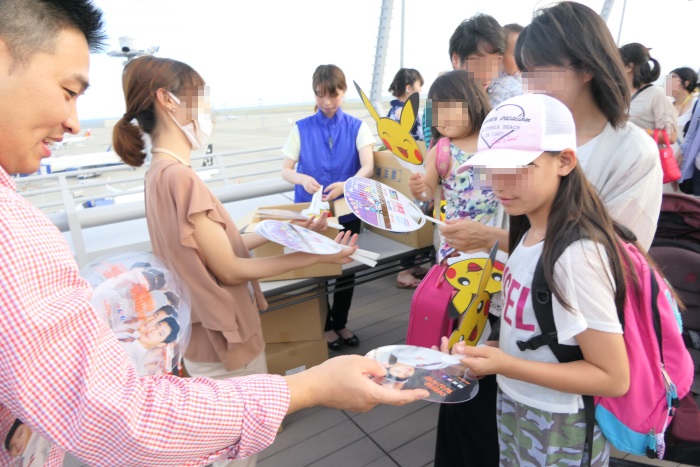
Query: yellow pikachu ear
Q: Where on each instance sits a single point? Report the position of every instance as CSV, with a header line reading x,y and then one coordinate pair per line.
x,y
367,103
410,111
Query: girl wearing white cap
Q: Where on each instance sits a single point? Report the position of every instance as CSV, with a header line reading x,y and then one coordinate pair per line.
x,y
527,146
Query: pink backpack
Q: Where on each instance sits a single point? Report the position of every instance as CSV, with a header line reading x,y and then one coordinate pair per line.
x,y
443,157
443,160
661,369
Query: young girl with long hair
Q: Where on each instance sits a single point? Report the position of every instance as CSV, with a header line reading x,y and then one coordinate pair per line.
x,y
567,52
190,229
459,107
528,149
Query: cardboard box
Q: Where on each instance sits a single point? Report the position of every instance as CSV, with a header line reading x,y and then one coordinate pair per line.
x,y
287,359
390,172
275,249
303,321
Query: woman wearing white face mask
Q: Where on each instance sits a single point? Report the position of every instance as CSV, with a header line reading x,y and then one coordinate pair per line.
x,y
189,228
197,132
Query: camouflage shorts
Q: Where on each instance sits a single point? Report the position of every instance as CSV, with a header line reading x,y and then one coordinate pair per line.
x,y
533,437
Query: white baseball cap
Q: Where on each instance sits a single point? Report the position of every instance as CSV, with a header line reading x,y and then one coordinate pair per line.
x,y
520,129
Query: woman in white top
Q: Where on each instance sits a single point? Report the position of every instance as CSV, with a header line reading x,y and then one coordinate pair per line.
x,y
683,82
649,108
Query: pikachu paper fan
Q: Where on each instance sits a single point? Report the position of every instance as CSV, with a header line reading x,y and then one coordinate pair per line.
x,y
396,136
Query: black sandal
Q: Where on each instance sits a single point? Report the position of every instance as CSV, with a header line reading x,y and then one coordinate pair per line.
x,y
354,341
336,344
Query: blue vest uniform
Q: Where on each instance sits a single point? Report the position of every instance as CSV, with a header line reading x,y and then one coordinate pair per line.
x,y
328,150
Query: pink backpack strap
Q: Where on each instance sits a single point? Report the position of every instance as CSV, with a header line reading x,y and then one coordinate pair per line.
x,y
443,157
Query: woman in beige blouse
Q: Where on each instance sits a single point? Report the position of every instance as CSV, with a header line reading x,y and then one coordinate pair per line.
x,y
650,108
190,229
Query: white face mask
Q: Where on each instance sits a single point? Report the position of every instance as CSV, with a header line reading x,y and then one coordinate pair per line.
x,y
197,134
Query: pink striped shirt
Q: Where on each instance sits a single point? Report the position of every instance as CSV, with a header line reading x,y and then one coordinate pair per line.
x,y
64,374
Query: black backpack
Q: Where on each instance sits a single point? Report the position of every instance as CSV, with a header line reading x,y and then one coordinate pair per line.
x,y
676,250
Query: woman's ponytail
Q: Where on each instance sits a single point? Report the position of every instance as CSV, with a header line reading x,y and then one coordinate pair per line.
x,y
636,55
127,140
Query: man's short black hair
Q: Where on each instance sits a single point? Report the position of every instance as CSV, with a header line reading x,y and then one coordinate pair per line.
x,y
31,26
512,28
477,35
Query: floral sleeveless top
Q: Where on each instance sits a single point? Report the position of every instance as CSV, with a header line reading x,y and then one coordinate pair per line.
x,y
463,199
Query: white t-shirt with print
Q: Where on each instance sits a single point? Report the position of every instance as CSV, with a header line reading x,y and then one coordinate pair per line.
x,y
583,276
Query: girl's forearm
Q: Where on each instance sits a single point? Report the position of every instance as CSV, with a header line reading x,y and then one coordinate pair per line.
x,y
579,377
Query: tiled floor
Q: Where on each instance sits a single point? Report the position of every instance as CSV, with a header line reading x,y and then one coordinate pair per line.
x,y
383,437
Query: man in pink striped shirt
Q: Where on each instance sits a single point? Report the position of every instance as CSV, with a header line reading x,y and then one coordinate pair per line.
x,y
62,372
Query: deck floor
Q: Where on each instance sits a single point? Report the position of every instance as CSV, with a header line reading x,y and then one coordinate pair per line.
x,y
384,437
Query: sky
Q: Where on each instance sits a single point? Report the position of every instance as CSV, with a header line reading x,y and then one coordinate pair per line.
x,y
257,53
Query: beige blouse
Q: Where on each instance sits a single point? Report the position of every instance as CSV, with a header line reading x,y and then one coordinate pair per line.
x,y
225,319
652,109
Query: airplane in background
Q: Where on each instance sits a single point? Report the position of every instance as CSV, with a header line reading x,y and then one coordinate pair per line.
x,y
68,163
70,140
127,49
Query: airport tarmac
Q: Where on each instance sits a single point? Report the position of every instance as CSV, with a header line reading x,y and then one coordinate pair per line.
x,y
244,131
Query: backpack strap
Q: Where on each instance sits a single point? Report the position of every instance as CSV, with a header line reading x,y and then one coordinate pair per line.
x,y
589,413
542,305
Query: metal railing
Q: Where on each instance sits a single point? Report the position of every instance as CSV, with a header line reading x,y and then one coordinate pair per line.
x,y
66,212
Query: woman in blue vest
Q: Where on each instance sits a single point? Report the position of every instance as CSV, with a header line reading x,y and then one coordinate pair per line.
x,y
327,148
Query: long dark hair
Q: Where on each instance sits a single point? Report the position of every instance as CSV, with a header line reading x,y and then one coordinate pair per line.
x,y
636,55
571,34
141,80
458,85
577,213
